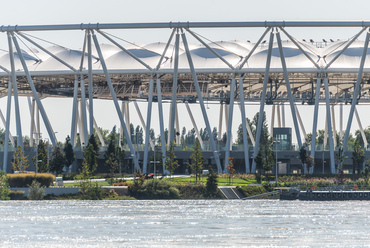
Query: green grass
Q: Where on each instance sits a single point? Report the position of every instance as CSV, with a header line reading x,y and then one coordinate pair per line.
x,y
100,183
221,181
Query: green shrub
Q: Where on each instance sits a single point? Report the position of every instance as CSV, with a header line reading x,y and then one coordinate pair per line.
x,y
17,195
252,190
4,190
192,191
26,179
36,191
154,189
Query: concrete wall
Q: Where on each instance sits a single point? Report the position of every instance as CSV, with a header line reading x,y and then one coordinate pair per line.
x,y
53,190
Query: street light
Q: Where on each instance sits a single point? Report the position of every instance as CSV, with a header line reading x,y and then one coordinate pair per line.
x,y
154,162
276,165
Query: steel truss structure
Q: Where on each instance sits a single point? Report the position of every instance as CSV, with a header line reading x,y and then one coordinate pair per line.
x,y
277,71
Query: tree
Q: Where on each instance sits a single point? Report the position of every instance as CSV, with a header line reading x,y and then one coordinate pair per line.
x,y
171,163
42,158
309,162
4,190
83,180
240,139
303,157
68,153
112,165
88,189
197,158
230,168
212,183
366,174
340,159
91,154
36,191
306,159
57,160
358,158
20,161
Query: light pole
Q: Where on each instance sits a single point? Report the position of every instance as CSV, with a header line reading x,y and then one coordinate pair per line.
x,y
47,152
137,147
276,165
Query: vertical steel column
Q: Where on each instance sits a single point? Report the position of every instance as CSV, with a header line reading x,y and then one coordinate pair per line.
x,y
263,99
300,122
220,122
142,121
201,102
74,107
38,130
361,129
147,128
128,123
278,115
315,117
230,122
82,129
7,131
248,127
15,93
121,129
325,132
90,78
289,91
334,128
330,130
96,127
356,92
174,90
34,92
272,120
32,129
194,124
161,124
74,140
244,120
83,111
341,121
177,127
282,114
113,94
4,123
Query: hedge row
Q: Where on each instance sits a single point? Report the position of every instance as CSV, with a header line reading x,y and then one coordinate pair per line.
x,y
25,179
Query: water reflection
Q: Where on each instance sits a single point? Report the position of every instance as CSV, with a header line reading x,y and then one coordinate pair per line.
x,y
177,223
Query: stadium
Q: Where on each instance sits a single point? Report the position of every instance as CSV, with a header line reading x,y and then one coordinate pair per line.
x,y
277,71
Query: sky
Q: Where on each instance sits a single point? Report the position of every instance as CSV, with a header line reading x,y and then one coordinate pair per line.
x,y
36,12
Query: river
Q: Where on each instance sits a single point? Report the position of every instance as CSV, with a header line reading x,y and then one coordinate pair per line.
x,y
185,223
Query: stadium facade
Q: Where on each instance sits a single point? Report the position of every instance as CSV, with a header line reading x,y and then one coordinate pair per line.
x,y
277,70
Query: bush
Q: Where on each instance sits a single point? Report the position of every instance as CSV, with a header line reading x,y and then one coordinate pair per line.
x,y
252,190
26,179
192,191
155,189
17,195
4,190
122,184
36,191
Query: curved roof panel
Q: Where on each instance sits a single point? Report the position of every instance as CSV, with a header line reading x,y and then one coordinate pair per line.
x,y
232,51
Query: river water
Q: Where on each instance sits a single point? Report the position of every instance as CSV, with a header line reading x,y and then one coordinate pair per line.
x,y
184,223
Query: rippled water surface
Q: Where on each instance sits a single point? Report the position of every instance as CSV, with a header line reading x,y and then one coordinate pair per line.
x,y
192,223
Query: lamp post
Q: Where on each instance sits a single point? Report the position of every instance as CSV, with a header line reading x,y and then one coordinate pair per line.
x,y
276,165
137,146
47,152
